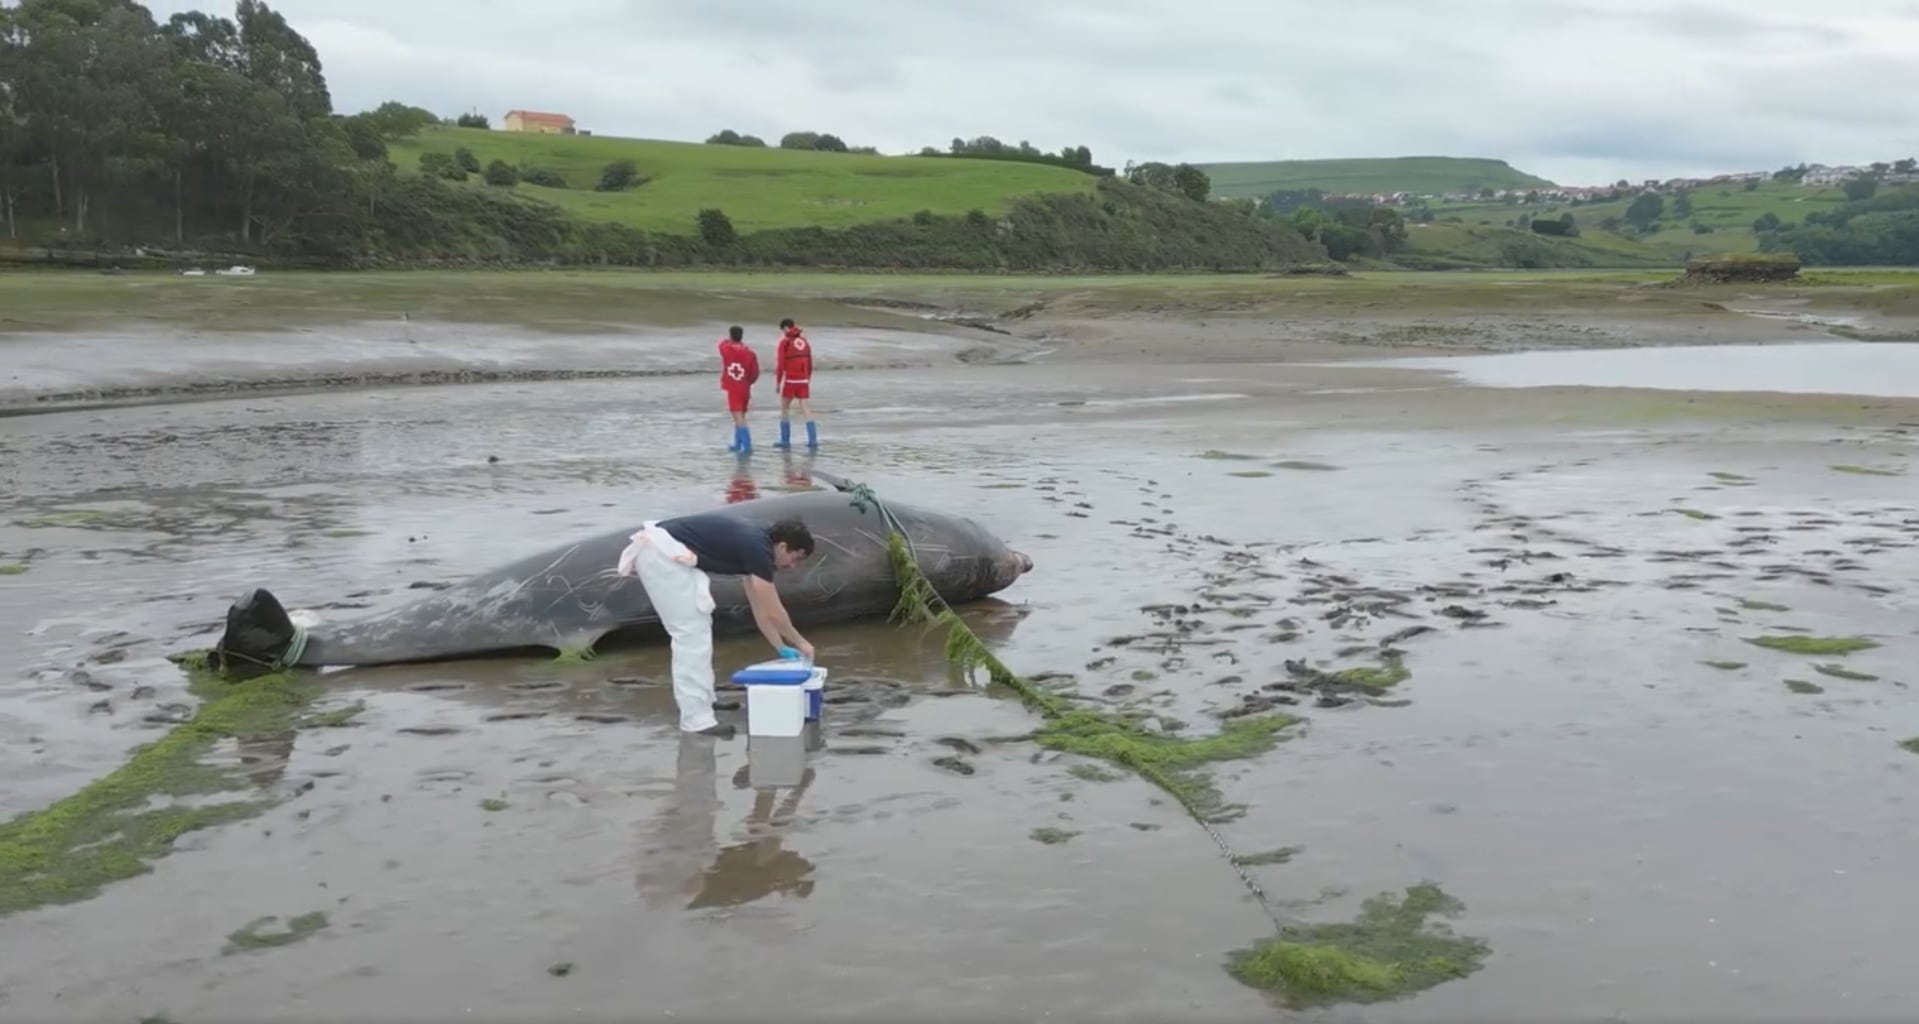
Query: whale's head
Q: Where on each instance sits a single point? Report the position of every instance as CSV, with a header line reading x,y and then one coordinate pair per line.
x,y
963,558
1008,566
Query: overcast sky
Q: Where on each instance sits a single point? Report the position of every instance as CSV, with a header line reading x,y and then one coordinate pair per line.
x,y
1579,91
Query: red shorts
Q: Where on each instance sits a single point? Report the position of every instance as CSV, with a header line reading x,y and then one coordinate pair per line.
x,y
803,389
736,400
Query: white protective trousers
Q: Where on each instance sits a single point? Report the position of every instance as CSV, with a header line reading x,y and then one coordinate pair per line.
x,y
682,596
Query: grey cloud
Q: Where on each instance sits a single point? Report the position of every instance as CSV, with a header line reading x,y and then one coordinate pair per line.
x,y
1580,84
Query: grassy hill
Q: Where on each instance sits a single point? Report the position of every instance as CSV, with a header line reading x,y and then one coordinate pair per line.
x,y
757,188
1443,246
1422,174
1727,210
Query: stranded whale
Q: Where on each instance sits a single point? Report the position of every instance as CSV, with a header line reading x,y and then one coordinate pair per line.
x,y
570,597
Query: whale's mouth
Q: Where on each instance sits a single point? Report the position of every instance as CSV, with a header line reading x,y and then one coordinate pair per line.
x,y
1025,562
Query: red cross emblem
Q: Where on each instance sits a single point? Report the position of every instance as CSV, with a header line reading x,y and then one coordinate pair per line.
x,y
737,371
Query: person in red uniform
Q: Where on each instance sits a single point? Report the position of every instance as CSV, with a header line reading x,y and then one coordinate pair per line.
x,y
793,375
739,371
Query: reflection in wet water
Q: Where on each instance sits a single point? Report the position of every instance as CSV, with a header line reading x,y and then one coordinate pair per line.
x,y
683,861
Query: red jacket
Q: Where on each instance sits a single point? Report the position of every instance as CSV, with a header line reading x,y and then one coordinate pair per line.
x,y
794,363
739,367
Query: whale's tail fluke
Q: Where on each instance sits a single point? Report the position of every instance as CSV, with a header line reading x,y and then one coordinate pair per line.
x,y
259,638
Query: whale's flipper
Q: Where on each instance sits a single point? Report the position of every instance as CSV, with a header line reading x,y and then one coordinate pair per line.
x,y
259,634
836,481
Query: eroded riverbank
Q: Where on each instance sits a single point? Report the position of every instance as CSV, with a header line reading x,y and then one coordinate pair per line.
x,y
77,340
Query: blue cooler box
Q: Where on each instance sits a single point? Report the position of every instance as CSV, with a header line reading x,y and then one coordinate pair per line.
x,y
787,672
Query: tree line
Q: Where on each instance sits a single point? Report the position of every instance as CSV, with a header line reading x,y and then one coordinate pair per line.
x,y
983,147
204,133
1880,229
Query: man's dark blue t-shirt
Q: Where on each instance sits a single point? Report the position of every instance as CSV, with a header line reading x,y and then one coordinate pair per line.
x,y
726,546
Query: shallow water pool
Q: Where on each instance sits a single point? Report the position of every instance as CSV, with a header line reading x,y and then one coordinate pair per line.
x,y
1884,369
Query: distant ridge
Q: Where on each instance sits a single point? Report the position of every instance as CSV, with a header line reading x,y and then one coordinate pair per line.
x,y
1439,175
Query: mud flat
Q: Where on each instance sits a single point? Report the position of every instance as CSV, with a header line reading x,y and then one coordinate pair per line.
x,y
1601,696
73,339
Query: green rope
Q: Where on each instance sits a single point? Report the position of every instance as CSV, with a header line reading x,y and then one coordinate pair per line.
x,y
1107,737
296,646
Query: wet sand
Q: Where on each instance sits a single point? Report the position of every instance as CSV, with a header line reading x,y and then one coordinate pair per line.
x,y
1641,818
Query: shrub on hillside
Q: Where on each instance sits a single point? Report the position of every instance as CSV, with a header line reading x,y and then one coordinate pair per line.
x,y
499,172
619,176
442,165
716,228
729,137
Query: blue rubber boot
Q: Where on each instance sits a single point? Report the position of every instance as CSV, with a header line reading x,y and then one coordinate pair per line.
x,y
786,434
735,445
812,435
746,440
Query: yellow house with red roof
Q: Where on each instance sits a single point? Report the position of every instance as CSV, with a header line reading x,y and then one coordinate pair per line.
x,y
538,122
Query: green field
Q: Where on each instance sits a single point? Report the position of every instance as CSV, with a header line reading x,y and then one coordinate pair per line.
x,y
1420,174
1728,209
758,188
1443,244
625,300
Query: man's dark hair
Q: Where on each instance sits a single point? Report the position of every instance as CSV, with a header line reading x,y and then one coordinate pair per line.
x,y
793,534
736,332
784,324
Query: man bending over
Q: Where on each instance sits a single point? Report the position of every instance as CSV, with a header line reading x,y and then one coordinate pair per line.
x,y
675,560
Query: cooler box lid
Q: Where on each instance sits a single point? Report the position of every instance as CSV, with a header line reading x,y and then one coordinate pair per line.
x,y
774,673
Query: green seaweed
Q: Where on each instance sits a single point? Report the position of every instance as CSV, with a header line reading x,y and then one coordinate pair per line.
x,y
1910,746
12,570
1693,513
1814,644
560,970
494,803
1867,470
1251,474
1280,856
1373,678
1303,464
1761,606
1214,453
1391,951
251,937
575,655
1800,686
1051,836
336,718
1841,672
1170,763
110,829
344,534
1094,773
1729,666
1728,477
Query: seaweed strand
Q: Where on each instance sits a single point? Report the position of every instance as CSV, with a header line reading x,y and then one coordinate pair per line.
x,y
1169,763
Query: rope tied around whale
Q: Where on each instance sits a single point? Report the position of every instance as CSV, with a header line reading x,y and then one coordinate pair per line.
x,y
920,603
296,646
